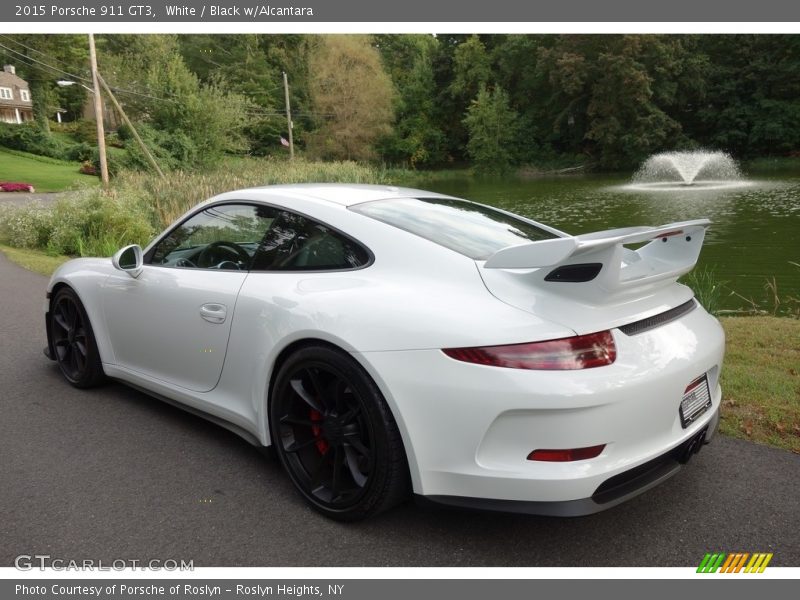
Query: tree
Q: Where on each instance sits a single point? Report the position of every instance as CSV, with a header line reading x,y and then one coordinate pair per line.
x,y
607,95
351,95
752,102
416,139
195,122
492,128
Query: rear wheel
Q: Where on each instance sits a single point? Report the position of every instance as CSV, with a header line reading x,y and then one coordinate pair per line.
x,y
73,341
335,435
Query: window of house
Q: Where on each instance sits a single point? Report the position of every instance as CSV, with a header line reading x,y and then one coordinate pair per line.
x,y
25,95
6,94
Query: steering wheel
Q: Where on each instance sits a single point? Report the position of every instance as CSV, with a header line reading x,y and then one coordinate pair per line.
x,y
219,252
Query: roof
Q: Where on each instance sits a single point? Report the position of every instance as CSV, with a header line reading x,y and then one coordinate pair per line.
x,y
12,79
345,194
15,82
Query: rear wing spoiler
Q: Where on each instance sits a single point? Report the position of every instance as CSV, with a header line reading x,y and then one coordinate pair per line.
x,y
669,252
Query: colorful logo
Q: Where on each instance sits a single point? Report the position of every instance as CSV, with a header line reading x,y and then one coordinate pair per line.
x,y
734,562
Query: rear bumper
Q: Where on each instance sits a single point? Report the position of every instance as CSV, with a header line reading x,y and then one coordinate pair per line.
x,y
610,493
468,429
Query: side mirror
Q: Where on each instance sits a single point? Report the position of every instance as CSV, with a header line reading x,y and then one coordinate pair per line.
x,y
129,259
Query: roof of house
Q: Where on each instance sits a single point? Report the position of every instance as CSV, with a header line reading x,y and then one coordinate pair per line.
x,y
15,82
12,79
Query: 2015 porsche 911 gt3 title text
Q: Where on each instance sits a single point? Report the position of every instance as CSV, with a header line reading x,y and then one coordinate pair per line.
x,y
104,10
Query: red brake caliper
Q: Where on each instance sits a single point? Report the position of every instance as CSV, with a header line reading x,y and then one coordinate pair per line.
x,y
321,443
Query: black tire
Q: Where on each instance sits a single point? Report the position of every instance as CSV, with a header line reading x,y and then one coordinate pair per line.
x,y
335,435
74,345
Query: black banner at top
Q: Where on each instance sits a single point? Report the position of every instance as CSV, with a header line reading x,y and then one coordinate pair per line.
x,y
320,11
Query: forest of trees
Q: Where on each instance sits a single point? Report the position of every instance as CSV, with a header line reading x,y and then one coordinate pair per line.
x,y
421,101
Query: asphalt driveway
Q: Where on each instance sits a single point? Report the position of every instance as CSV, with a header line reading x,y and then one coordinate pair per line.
x,y
113,474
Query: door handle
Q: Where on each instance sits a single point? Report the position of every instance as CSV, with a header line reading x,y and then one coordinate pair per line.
x,y
214,313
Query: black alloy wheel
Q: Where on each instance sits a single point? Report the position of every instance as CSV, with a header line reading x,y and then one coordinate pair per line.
x,y
73,341
335,435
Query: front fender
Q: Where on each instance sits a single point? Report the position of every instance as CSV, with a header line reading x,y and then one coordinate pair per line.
x,y
86,277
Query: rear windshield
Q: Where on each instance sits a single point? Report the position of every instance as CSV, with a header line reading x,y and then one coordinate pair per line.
x,y
473,230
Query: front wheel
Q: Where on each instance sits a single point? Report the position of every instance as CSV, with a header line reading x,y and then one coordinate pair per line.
x,y
73,341
336,436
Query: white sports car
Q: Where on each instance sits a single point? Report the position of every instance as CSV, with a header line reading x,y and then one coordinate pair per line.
x,y
388,341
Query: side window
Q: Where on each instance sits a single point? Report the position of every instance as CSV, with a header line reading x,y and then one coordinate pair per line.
x,y
220,237
296,243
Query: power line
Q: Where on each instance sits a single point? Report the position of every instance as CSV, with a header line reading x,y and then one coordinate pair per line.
x,y
51,67
84,79
29,60
47,56
24,59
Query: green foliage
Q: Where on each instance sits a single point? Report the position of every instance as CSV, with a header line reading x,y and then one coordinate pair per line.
x,y
97,222
471,68
707,288
80,152
601,101
94,223
607,94
88,223
26,227
492,128
752,102
29,137
190,114
416,140
84,130
171,149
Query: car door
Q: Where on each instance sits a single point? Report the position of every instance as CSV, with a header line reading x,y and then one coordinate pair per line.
x,y
172,323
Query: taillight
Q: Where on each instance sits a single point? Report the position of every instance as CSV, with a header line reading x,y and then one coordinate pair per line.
x,y
579,352
567,454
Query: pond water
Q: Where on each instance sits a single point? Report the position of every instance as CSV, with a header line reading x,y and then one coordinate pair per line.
x,y
754,236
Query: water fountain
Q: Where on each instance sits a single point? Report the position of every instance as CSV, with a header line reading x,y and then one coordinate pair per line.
x,y
696,169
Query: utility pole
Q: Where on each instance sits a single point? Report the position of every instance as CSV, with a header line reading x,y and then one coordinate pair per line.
x,y
288,115
135,133
98,113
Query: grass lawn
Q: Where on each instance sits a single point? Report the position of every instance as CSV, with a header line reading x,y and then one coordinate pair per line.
x,y
761,381
44,174
760,378
34,260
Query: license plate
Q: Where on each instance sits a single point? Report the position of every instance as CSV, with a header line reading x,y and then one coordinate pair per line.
x,y
696,401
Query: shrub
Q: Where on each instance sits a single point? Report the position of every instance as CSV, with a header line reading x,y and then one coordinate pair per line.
x,y
180,190
28,226
172,150
79,152
91,222
28,137
707,288
85,131
92,165
97,222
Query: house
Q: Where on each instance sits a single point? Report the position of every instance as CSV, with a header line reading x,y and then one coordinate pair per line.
x,y
15,97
